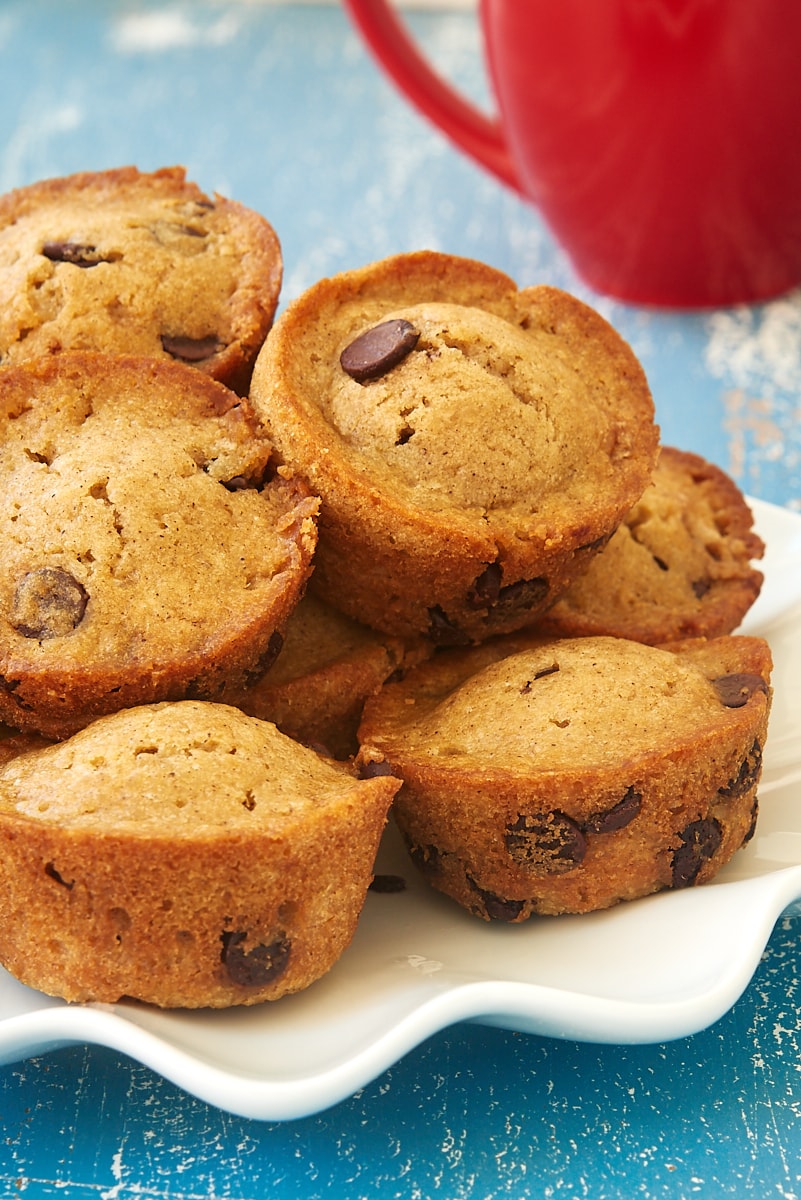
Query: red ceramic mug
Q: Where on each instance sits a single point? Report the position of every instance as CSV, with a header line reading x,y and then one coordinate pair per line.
x,y
660,139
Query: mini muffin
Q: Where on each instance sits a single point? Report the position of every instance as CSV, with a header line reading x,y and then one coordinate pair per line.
x,y
680,564
564,776
328,665
182,854
121,261
149,550
472,444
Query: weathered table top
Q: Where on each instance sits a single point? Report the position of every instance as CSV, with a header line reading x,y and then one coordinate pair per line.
x,y
279,106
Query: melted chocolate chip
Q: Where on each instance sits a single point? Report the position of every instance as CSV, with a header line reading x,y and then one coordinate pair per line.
x,y
377,350
543,673
266,658
522,596
443,631
374,770
752,827
54,874
254,968
736,690
427,859
700,587
189,349
48,603
487,587
546,843
746,776
242,483
699,842
496,907
617,817
79,254
388,884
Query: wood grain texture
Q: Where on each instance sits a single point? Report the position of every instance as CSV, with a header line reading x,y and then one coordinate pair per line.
x,y
280,107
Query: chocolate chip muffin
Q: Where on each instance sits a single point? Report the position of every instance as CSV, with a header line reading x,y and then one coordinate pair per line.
x,y
679,565
563,776
328,665
182,854
122,261
472,444
150,552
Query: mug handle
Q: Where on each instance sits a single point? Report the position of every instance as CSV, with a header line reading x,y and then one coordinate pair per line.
x,y
473,131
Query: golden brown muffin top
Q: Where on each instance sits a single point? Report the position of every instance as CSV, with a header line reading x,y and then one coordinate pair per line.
x,y
127,262
140,519
524,705
679,565
189,768
482,403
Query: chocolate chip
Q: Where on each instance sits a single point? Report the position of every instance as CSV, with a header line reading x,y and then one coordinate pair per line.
x,y
596,545
617,817
374,770
543,673
54,874
256,967
522,596
754,815
189,349
660,562
443,631
747,775
699,842
487,587
377,350
255,481
79,254
700,587
388,884
266,659
736,690
427,859
546,843
48,603
496,907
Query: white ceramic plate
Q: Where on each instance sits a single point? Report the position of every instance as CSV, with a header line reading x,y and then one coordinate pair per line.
x,y
649,971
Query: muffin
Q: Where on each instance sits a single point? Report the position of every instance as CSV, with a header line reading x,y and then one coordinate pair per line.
x,y
121,261
182,854
679,565
328,665
472,444
150,551
566,775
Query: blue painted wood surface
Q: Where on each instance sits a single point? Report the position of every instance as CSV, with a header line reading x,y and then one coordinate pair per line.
x,y
279,106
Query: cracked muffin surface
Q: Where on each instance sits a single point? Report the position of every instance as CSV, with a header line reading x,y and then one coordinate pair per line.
x,y
546,776
149,549
472,443
679,564
184,854
122,261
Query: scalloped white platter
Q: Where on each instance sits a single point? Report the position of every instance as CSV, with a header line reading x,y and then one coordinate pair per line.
x,y
647,971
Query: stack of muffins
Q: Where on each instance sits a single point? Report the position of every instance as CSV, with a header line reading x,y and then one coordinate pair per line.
x,y
415,545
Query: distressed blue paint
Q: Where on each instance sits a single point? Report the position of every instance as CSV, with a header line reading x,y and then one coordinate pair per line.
x,y
280,107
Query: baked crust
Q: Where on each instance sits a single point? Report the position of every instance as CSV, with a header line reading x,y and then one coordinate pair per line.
x,y
124,261
565,775
679,565
150,550
467,484
185,855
